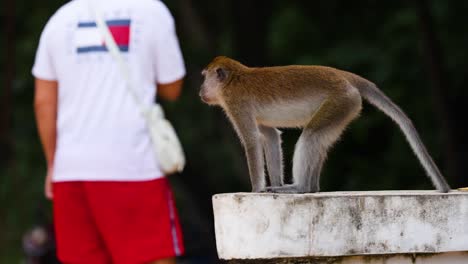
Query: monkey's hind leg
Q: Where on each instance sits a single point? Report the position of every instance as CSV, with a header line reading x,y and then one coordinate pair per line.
x,y
318,136
273,154
309,155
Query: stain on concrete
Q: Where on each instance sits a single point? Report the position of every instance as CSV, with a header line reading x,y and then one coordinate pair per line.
x,y
368,259
356,216
239,198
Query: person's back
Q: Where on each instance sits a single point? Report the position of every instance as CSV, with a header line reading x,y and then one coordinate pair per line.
x,y
99,124
111,201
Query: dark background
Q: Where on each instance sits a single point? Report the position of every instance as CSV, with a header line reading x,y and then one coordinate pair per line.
x,y
415,51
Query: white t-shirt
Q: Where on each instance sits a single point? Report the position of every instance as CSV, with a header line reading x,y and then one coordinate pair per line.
x,y
101,135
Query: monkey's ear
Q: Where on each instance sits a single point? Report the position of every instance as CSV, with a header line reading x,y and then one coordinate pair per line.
x,y
221,74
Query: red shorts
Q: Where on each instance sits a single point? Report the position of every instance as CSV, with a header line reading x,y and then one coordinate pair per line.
x,y
115,222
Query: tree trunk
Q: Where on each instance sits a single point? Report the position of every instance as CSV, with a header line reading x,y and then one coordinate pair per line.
x,y
6,97
251,20
6,149
193,27
441,90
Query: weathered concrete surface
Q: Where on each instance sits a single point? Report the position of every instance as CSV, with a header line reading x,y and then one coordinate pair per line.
x,y
439,258
270,226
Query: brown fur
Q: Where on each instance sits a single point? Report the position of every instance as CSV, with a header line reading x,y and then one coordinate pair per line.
x,y
322,100
278,83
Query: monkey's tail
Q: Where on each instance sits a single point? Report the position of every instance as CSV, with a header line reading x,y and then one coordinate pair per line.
x,y
376,97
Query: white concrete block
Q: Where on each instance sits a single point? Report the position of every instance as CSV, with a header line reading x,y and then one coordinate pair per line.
x,y
269,226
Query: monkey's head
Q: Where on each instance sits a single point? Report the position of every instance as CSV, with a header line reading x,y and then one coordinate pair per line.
x,y
217,75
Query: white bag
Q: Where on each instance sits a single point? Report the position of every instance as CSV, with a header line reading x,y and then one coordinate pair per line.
x,y
166,145
168,150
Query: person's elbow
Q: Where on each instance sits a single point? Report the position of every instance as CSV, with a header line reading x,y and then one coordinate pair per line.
x,y
170,91
45,95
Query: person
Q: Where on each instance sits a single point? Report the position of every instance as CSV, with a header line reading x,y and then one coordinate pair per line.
x,y
111,202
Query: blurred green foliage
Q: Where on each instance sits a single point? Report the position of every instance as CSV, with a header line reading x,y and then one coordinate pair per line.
x,y
380,40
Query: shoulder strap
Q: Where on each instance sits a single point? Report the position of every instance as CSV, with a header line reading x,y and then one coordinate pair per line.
x,y
115,52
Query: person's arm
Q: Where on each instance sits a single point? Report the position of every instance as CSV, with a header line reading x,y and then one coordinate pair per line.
x,y
45,107
170,91
168,62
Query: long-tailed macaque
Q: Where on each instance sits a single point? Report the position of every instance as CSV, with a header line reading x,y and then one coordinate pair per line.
x,y
320,100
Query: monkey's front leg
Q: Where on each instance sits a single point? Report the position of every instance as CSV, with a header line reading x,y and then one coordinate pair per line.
x,y
254,154
249,134
273,154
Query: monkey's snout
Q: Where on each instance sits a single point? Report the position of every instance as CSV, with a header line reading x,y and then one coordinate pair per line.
x,y
203,96
207,99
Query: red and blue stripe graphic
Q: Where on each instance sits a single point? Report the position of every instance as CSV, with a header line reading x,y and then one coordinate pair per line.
x,y
92,41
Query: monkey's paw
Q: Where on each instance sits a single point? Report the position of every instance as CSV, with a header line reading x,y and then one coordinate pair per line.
x,y
260,190
290,188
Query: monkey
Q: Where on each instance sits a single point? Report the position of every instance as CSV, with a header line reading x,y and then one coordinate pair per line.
x,y
320,100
